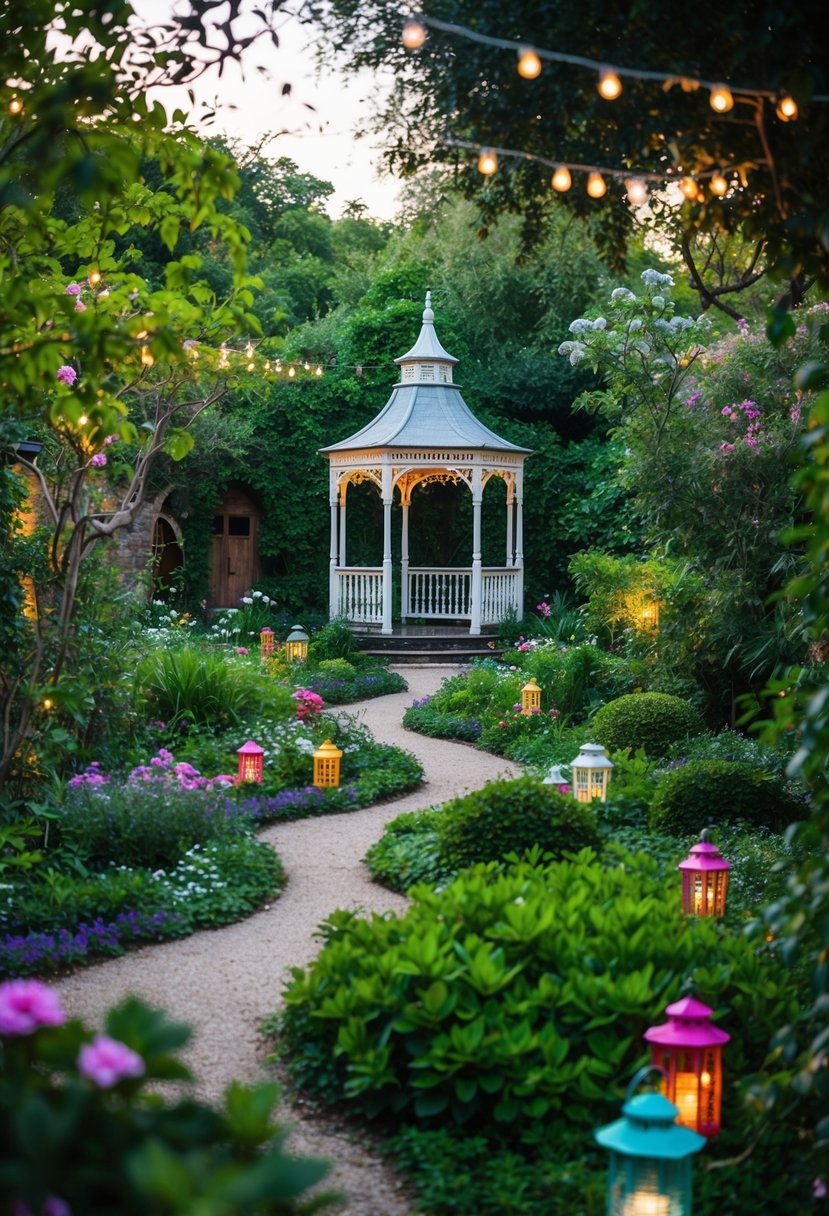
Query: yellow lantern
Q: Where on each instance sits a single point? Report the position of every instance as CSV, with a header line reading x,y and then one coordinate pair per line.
x,y
531,697
327,759
296,647
650,614
591,773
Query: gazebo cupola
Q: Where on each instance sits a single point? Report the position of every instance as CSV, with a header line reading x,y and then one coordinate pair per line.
x,y
426,433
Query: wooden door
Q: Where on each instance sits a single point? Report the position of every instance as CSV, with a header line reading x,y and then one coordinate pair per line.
x,y
235,559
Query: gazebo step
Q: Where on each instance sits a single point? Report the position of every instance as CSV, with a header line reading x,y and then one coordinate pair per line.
x,y
455,656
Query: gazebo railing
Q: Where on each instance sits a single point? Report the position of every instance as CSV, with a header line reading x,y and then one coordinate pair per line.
x,y
361,594
440,592
499,593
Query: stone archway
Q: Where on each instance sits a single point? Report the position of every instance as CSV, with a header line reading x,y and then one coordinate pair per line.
x,y
167,554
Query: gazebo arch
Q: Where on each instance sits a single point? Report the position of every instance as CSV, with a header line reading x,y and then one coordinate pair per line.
x,y
426,432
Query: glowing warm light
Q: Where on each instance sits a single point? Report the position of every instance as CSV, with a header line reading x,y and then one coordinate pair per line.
x,y
48,703
15,106
292,371
529,65
610,86
786,109
721,99
223,359
719,185
596,185
643,1204
318,372
637,191
689,188
414,35
705,1079
561,179
487,163
82,421
306,366
249,350
146,357
94,278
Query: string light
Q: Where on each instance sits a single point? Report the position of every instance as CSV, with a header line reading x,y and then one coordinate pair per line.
x,y
637,191
94,278
529,65
414,35
318,372
16,106
786,108
561,179
718,184
292,372
689,188
721,99
487,163
610,86
83,420
146,357
596,185
48,704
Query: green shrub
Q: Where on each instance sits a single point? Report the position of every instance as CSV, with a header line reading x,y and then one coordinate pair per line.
x,y
334,641
511,817
650,720
206,688
707,791
337,669
409,852
729,745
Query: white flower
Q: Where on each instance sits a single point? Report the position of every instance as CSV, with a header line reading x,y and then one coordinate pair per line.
x,y
635,325
580,326
257,595
665,326
681,323
621,295
246,599
658,301
599,323
652,278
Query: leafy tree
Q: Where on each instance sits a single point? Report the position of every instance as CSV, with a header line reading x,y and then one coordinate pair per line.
x,y
457,94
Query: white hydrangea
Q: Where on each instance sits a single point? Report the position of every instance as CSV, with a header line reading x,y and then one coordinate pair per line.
x,y
664,326
621,295
658,301
652,278
680,323
635,325
576,351
600,323
581,326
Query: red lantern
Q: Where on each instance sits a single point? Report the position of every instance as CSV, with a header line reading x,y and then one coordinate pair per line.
x,y
688,1049
265,641
704,879
250,761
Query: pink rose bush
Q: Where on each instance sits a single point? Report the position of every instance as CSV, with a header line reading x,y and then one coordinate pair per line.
x,y
308,703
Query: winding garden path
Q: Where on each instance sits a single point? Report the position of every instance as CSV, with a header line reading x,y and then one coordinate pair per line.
x,y
223,982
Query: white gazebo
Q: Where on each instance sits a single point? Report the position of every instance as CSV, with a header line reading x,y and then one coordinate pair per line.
x,y
425,433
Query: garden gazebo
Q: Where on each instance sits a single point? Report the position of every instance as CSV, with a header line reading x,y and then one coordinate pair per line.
x,y
426,433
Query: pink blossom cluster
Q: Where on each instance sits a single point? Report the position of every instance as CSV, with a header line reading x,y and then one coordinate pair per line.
x,y
543,608
750,410
307,703
107,1061
26,1006
161,769
66,375
92,775
98,460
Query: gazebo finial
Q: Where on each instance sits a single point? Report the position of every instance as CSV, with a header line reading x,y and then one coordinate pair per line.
x,y
428,315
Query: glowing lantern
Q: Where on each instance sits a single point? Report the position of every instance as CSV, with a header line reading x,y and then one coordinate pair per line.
x,y
689,188
637,191
688,1049
296,647
786,109
413,36
704,879
610,86
596,185
561,179
487,163
250,761
529,65
650,1157
591,773
721,99
719,184
650,614
327,759
530,697
266,641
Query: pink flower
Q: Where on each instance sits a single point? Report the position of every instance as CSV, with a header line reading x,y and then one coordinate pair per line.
x,y
543,608
67,374
26,1005
106,1061
110,439
73,289
563,789
242,650
98,460
80,306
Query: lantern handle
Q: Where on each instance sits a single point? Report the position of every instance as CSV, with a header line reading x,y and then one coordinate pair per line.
x,y
705,836
638,1078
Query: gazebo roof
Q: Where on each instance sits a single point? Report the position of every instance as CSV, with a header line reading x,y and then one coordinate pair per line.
x,y
425,410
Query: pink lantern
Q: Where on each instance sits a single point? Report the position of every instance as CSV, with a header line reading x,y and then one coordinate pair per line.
x,y
704,879
250,756
688,1049
266,640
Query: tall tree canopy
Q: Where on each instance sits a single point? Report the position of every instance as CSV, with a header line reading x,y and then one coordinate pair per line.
x,y
459,92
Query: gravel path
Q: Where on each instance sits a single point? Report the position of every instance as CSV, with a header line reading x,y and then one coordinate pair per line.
x,y
223,982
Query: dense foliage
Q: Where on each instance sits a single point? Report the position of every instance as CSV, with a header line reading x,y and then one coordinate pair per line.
x,y
650,720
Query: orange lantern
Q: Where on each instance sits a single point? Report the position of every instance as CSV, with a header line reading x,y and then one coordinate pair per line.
x,y
704,879
266,640
530,697
688,1049
250,756
327,759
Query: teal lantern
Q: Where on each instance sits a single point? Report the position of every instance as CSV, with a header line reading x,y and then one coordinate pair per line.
x,y
650,1157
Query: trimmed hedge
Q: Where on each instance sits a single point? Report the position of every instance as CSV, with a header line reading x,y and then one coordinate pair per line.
x,y
513,816
705,791
650,720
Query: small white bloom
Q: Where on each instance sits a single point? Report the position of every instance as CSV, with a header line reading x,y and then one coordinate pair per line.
x,y
621,295
658,301
257,595
246,599
600,323
636,324
580,326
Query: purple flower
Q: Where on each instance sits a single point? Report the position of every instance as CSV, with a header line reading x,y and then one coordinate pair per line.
x,y
53,1205
73,289
106,1061
67,374
98,460
26,1005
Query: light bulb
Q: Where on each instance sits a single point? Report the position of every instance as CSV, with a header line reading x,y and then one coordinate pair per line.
x,y
786,109
721,99
414,35
82,421
292,372
529,65
487,163
146,358
610,86
705,1079
249,350
689,188
94,278
48,703
561,179
718,184
318,372
306,366
637,191
596,185
15,106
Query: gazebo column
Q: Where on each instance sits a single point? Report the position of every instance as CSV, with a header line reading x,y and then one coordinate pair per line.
x,y
388,492
519,543
510,557
404,558
333,581
342,560
477,582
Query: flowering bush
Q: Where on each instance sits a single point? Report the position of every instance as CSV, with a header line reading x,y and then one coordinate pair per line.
x,y
308,703
106,1142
